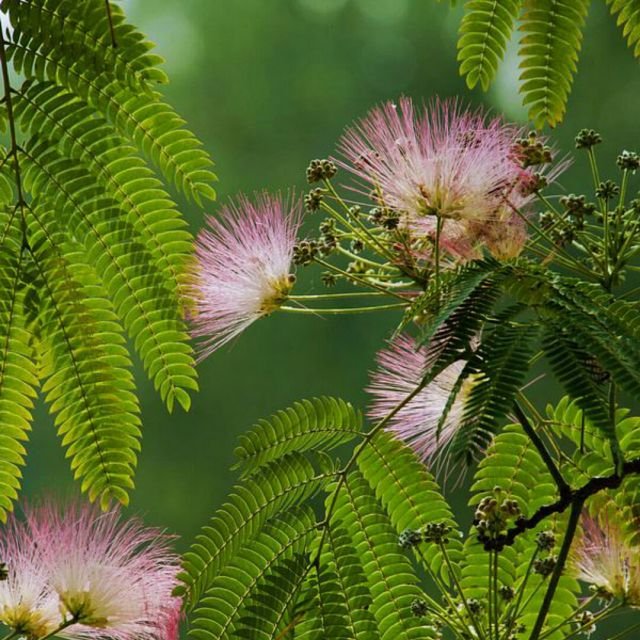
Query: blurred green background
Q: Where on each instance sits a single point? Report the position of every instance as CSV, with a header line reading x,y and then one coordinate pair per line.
x,y
268,85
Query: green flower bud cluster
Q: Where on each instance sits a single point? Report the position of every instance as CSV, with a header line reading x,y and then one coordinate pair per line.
x,y
313,199
492,518
607,190
628,161
545,566
434,532
532,151
587,138
384,218
321,170
546,540
304,252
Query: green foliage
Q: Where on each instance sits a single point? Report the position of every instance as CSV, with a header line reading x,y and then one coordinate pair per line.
x,y
628,17
484,33
410,495
95,244
319,423
552,36
549,46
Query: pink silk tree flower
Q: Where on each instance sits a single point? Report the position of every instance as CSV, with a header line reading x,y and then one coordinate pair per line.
x,y
243,267
443,163
111,578
602,558
401,368
27,604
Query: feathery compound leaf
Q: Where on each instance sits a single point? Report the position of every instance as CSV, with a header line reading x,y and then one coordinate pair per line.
x,y
310,424
353,598
80,34
409,494
47,110
140,116
501,365
392,580
549,49
18,374
270,612
570,364
89,385
629,19
284,537
279,486
122,261
484,32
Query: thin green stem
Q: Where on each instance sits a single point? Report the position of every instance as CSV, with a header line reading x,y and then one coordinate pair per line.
x,y
344,472
496,611
622,634
570,618
11,635
458,586
358,279
574,517
511,613
342,311
581,628
337,296
371,263
380,247
112,31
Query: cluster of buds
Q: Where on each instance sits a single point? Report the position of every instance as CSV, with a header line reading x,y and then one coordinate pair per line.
x,y
313,199
304,252
546,541
585,623
321,170
492,517
628,161
607,190
532,152
545,566
587,138
385,218
434,532
507,593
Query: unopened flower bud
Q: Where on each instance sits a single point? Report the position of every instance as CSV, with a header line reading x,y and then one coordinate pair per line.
x,y
587,138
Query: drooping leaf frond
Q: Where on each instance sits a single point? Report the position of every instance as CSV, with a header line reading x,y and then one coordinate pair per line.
x,y
87,370
549,48
628,17
18,370
484,32
103,246
410,495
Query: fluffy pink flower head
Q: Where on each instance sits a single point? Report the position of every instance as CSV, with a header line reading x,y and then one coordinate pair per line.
x,y
27,604
401,368
111,578
445,162
242,269
602,558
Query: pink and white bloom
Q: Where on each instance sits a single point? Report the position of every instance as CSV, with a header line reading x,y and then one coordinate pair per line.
x,y
401,368
243,267
444,163
81,573
27,604
602,558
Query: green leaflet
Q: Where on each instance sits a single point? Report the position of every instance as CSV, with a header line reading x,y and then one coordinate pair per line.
x,y
225,607
277,487
500,367
117,83
549,48
391,578
319,423
628,17
88,382
122,262
409,494
18,373
484,32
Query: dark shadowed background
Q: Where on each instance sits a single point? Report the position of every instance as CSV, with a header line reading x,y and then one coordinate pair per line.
x,y
268,85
